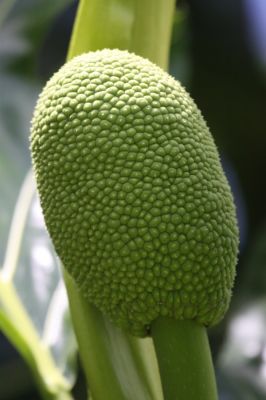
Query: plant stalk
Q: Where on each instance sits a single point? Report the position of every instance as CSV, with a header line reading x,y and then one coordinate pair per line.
x,y
184,358
143,27
117,365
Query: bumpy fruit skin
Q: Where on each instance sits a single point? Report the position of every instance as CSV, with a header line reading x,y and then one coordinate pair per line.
x,y
133,192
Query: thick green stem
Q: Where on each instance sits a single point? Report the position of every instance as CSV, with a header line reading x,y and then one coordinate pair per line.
x,y
117,365
185,361
140,26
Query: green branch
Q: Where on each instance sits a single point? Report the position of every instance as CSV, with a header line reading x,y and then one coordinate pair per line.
x,y
184,358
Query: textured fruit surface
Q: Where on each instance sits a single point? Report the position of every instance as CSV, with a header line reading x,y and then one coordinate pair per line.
x,y
133,193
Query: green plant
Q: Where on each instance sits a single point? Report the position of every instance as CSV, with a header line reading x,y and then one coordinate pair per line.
x,y
172,337
125,163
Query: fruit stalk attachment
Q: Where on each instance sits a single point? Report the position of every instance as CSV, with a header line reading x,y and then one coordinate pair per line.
x,y
184,358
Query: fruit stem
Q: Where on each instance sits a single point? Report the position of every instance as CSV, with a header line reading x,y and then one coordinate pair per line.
x,y
117,365
184,358
140,26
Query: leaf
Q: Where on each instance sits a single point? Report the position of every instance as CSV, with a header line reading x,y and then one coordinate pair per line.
x,y
28,242
15,114
45,297
31,265
19,329
58,333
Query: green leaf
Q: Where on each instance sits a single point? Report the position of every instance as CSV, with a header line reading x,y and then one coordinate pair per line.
x,y
45,297
28,292
31,266
15,114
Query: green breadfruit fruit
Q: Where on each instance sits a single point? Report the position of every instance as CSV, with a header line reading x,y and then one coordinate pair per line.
x,y
133,193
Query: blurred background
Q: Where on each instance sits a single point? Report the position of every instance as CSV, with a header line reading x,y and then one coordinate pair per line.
x,y
219,53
